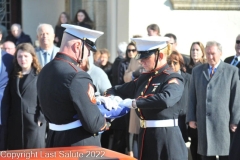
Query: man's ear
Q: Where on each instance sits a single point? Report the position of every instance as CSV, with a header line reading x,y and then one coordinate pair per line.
x,y
161,55
76,47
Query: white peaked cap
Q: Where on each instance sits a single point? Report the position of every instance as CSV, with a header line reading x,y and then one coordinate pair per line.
x,y
82,32
150,43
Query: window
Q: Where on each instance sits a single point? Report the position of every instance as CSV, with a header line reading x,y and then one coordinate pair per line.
x,y
5,13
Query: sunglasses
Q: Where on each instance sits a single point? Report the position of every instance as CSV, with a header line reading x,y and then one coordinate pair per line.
x,y
174,63
238,41
129,50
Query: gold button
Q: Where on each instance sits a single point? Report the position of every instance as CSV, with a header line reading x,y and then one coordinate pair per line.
x,y
138,110
156,72
146,86
141,93
141,117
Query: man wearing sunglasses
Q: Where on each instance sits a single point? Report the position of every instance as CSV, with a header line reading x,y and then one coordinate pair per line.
x,y
234,60
67,94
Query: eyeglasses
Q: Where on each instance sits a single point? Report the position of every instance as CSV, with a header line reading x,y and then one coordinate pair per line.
x,y
238,41
129,50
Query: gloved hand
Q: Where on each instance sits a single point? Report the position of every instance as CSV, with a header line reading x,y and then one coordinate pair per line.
x,y
110,102
126,103
116,98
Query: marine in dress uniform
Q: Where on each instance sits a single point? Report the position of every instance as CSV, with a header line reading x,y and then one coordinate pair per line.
x,y
153,96
66,92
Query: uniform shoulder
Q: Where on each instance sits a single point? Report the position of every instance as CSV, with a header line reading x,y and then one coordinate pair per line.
x,y
171,74
82,73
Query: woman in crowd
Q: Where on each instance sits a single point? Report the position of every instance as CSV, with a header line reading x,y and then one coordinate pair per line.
x,y
104,62
26,122
197,57
131,52
63,18
153,30
82,19
176,62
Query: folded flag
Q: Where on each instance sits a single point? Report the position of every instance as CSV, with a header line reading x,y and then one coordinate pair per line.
x,y
114,113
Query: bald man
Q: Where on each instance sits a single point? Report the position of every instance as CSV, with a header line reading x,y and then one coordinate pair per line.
x,y
17,36
9,47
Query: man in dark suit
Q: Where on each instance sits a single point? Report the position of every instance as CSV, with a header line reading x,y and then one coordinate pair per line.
x,y
5,70
234,60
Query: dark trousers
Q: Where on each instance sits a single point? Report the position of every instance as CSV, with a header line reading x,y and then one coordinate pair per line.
x,y
194,143
3,137
120,140
214,158
105,137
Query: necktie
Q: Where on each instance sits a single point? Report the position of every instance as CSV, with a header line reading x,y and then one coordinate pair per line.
x,y
45,58
212,73
235,62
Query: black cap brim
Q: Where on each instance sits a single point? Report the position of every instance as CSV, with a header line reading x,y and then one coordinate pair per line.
x,y
144,54
91,45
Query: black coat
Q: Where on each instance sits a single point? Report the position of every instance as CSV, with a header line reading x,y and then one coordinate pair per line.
x,y
156,98
24,38
115,65
108,70
229,61
59,33
121,70
6,69
66,94
23,129
183,104
235,147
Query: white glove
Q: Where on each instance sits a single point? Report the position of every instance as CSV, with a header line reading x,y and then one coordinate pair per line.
x,y
126,103
110,102
116,98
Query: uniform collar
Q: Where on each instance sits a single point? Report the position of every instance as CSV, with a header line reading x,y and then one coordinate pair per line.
x,y
159,71
66,57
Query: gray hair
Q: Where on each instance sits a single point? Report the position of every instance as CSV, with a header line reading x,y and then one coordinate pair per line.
x,y
17,25
122,46
214,43
44,24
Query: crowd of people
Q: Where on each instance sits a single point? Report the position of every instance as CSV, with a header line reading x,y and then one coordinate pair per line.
x,y
174,98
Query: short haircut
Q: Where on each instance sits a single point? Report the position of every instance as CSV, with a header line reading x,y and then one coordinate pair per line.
x,y
170,35
214,43
17,25
154,27
44,24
